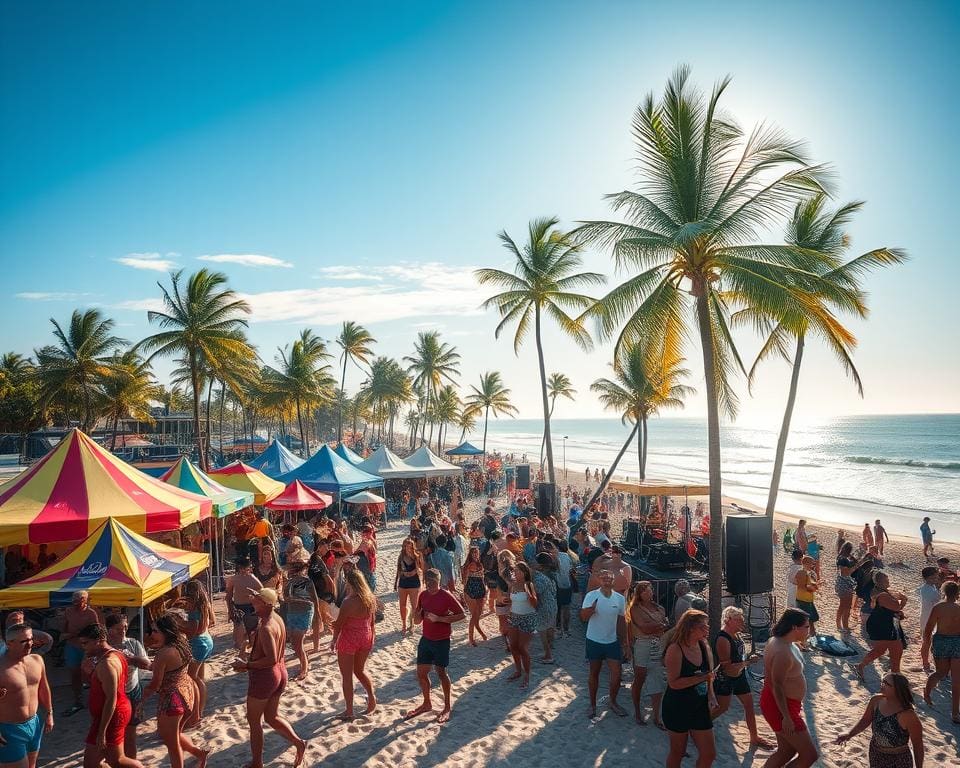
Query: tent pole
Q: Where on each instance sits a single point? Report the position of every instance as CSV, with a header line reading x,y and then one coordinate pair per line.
x,y
141,625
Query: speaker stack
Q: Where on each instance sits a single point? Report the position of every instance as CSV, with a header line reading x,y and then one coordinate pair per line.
x,y
547,499
748,552
523,477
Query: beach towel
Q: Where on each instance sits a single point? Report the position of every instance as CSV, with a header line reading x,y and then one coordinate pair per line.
x,y
832,646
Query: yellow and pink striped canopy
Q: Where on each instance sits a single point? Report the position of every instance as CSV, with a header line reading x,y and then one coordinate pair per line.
x,y
71,491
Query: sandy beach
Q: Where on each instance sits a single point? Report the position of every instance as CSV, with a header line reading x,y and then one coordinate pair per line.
x,y
494,723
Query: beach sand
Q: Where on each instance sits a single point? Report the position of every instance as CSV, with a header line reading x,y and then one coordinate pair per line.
x,y
496,724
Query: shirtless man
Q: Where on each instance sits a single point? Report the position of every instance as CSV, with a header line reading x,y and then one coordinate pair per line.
x,y
880,537
612,562
239,608
267,677
42,642
78,615
23,690
784,687
945,619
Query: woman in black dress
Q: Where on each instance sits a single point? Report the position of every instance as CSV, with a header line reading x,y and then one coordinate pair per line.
x,y
883,625
689,696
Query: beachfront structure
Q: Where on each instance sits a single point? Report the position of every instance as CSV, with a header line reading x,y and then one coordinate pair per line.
x,y
345,453
327,471
389,466
297,496
465,448
188,477
243,477
432,465
275,460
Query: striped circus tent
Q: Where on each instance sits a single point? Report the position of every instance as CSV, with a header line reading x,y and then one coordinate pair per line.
x,y
243,477
226,501
71,491
115,565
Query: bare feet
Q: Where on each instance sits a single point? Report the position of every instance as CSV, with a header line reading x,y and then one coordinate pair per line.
x,y
592,712
371,705
525,683
202,758
301,751
301,677
422,709
514,676
443,716
640,719
617,709
347,717
762,743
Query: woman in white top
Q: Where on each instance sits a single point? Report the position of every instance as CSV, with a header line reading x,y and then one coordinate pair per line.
x,y
523,620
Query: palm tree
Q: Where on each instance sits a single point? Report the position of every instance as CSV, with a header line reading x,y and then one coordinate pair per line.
x,y
544,282
691,231
466,420
643,385
302,378
814,229
72,372
432,363
355,341
386,390
558,385
204,322
446,410
491,396
129,391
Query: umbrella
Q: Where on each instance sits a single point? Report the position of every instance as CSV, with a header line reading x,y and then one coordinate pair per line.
x,y
299,496
365,497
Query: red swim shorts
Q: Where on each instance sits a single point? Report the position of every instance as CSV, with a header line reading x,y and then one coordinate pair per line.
x,y
771,712
115,728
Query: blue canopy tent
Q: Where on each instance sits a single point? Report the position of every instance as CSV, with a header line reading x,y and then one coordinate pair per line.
x,y
276,460
326,471
345,453
465,449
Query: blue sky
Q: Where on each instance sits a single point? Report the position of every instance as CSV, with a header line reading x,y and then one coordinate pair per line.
x,y
357,162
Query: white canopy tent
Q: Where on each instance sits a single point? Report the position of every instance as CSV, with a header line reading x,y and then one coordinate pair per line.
x,y
386,464
430,464
365,497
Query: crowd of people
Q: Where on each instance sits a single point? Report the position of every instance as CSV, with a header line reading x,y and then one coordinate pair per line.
x,y
295,582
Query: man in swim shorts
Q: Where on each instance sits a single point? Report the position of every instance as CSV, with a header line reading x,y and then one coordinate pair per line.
x,y
784,687
239,608
267,677
24,690
77,616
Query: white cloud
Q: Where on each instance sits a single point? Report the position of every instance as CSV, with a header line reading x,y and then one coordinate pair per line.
x,y
51,295
246,260
149,261
140,305
341,272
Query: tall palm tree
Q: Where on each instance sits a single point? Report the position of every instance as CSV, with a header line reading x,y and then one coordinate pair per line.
x,y
203,320
73,370
386,390
643,385
558,385
491,396
129,391
815,229
691,233
432,363
466,420
303,378
544,282
356,343
446,410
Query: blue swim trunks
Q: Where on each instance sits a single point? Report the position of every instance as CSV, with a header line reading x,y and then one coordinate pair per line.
x,y
22,739
201,647
300,622
72,656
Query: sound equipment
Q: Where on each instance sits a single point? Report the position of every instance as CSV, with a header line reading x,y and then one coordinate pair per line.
x,y
663,555
523,477
547,499
631,534
748,552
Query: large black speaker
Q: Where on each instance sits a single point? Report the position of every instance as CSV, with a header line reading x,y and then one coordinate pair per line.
x,y
547,499
631,534
749,554
523,477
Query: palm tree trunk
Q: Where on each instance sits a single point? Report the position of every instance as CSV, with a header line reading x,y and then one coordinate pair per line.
x,y
646,444
640,454
303,435
486,420
713,455
223,400
209,393
613,468
113,440
343,383
195,382
785,429
546,406
543,443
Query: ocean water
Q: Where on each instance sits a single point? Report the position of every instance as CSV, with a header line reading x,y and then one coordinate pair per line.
x,y
847,470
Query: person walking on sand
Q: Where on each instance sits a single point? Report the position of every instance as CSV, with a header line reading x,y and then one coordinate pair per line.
x,y
24,691
942,633
784,687
929,593
303,604
926,537
604,612
239,608
883,625
646,623
880,537
407,581
522,621
267,678
731,679
807,587
78,615
436,611
137,659
200,619
867,536
472,574
354,632
896,729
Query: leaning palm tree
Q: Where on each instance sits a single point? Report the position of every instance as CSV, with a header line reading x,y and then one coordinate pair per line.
x,y
72,372
544,282
129,391
644,384
432,363
558,385
356,343
466,420
814,229
707,190
491,396
202,321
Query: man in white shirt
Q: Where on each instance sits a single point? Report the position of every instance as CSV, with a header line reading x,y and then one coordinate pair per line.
x,y
604,612
792,570
929,597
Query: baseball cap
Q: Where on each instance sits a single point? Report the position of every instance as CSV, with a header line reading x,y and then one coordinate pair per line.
x,y
268,595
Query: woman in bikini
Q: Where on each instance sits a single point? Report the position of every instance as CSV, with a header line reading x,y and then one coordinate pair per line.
x,y
178,697
197,629
896,730
647,623
353,634
268,570
523,621
407,581
474,591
